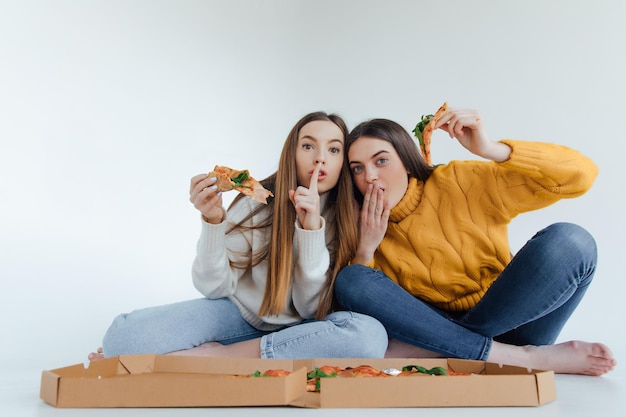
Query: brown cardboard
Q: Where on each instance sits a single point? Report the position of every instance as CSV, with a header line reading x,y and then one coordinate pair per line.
x,y
488,385
170,381
188,381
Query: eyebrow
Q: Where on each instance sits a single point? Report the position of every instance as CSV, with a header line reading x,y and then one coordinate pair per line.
x,y
372,157
317,140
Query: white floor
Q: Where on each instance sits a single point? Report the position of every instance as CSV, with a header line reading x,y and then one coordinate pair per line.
x,y
576,396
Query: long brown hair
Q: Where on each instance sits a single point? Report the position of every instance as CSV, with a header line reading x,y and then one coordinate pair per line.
x,y
338,212
402,142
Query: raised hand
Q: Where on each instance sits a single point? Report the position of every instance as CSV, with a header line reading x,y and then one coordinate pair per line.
x,y
306,201
372,223
204,197
466,126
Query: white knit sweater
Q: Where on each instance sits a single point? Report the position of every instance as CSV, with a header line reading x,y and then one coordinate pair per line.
x,y
216,275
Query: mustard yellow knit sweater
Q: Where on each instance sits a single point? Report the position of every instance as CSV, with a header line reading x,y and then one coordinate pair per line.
x,y
447,239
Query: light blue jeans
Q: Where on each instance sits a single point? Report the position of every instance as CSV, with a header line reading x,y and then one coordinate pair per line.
x,y
528,304
187,324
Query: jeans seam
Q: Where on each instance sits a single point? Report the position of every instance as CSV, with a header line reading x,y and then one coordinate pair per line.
x,y
267,345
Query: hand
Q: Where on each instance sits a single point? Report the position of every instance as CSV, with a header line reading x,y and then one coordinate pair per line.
x,y
204,196
372,223
307,203
467,127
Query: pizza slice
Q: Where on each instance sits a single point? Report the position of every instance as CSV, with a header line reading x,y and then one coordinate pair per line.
x,y
231,179
367,371
424,130
362,371
416,369
313,377
271,372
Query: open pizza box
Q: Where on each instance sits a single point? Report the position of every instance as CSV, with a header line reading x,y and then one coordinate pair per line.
x,y
188,381
170,381
487,385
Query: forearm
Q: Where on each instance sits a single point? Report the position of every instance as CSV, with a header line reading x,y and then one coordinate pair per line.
x,y
211,272
312,264
496,151
558,169
363,255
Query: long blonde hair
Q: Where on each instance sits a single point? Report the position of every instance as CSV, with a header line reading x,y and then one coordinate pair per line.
x,y
339,213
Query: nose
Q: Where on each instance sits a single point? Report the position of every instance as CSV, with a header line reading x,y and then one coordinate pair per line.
x,y
320,158
371,176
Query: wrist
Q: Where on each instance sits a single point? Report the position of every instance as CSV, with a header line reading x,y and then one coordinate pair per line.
x,y
216,218
309,221
498,152
362,256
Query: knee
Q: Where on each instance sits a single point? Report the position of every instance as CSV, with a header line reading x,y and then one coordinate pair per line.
x,y
347,275
367,335
574,239
348,280
115,339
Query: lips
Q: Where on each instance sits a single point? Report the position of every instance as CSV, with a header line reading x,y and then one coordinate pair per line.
x,y
320,176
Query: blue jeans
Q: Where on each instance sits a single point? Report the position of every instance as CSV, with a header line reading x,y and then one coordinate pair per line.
x,y
188,324
528,304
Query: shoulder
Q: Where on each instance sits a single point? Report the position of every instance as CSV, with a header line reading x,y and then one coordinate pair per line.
x,y
461,169
247,209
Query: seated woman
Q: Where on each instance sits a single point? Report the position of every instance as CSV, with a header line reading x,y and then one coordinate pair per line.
x,y
267,271
433,262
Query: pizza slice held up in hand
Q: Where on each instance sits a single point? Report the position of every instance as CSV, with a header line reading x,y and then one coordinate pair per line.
x,y
424,130
231,179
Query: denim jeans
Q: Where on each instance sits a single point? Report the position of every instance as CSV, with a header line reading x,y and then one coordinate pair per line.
x,y
528,304
188,324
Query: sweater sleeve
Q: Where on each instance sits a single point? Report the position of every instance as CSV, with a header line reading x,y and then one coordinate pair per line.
x,y
217,266
312,263
537,175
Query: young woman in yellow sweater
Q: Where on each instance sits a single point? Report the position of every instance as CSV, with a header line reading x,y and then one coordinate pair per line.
x,y
434,264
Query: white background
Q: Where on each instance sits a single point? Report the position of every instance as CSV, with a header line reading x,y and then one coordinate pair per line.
x,y
108,108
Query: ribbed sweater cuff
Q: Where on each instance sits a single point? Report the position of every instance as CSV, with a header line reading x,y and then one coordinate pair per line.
x,y
311,243
524,156
212,236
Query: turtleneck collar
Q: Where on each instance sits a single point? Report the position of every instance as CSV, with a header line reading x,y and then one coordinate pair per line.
x,y
410,201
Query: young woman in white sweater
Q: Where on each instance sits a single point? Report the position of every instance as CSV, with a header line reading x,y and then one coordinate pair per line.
x,y
266,272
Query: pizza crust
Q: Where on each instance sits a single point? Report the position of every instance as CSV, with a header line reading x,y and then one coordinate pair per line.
x,y
428,132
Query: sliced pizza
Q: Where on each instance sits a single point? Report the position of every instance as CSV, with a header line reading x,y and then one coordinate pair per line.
x,y
271,372
314,376
231,179
424,130
362,371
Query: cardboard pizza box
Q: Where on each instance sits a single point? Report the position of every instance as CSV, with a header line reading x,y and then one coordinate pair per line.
x,y
170,381
189,381
488,385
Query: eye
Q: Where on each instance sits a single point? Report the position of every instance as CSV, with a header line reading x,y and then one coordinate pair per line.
x,y
307,146
335,150
382,161
356,169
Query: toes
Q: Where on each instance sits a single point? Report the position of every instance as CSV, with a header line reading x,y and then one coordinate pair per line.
x,y
600,350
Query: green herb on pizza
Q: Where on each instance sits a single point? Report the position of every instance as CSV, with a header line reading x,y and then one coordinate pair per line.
x,y
424,130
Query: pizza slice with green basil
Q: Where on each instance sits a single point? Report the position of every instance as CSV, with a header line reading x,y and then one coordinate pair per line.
x,y
424,130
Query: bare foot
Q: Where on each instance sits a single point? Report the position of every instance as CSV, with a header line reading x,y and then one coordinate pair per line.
x,y
94,356
398,349
574,357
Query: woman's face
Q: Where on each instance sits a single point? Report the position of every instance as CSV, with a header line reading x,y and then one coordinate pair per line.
x,y
319,141
375,161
